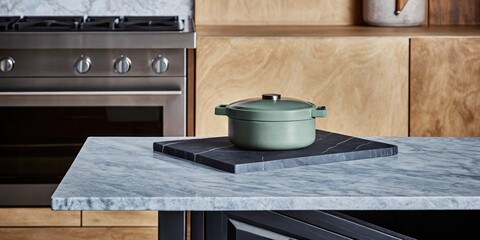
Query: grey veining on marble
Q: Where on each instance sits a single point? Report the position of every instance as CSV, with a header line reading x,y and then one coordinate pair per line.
x,y
182,8
124,174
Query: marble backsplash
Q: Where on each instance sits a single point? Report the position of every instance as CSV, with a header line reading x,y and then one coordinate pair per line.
x,y
97,7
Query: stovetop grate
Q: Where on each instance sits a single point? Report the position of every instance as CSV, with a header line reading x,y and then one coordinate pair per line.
x,y
150,24
6,23
100,24
48,23
93,23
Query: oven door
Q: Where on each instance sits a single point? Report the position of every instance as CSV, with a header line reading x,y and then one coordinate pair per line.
x,y
41,132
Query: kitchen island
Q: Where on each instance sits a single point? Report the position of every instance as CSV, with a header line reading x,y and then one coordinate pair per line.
x,y
123,173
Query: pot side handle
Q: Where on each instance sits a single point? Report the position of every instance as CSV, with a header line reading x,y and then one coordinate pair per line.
x,y
221,110
319,112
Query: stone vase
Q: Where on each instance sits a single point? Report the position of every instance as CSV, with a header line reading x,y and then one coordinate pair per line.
x,y
383,13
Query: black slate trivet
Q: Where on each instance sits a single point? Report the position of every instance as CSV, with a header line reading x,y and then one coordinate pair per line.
x,y
221,154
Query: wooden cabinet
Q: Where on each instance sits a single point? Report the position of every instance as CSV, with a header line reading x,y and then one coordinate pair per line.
x,y
454,12
278,12
363,81
78,233
445,87
43,223
119,218
38,217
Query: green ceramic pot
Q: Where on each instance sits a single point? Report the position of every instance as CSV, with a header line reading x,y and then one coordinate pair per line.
x,y
271,122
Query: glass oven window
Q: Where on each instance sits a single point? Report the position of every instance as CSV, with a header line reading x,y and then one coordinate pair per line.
x,y
38,144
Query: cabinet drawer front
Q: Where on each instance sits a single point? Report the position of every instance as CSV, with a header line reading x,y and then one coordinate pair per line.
x,y
37,217
78,233
363,81
445,87
120,218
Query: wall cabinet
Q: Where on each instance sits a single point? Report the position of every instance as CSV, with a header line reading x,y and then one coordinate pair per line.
x,y
454,12
278,12
363,81
445,87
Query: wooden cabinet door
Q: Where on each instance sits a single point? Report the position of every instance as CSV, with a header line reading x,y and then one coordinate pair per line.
x,y
79,233
445,87
278,12
363,81
119,218
38,217
454,12
43,223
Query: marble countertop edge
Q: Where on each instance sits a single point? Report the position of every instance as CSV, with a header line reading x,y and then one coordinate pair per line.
x,y
266,203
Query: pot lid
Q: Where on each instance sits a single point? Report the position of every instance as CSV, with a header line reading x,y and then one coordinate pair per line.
x,y
271,107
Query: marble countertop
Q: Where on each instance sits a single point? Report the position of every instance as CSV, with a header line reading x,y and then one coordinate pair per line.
x,y
183,8
123,173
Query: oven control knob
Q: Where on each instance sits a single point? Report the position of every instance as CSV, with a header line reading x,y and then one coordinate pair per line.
x,y
122,65
160,64
82,65
6,64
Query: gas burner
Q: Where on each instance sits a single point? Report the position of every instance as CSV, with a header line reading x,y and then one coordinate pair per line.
x,y
100,24
6,23
167,23
48,24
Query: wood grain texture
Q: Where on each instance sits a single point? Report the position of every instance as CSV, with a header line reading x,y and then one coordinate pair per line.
x,y
335,31
38,217
427,13
190,92
119,218
362,81
454,12
147,233
400,4
278,12
445,87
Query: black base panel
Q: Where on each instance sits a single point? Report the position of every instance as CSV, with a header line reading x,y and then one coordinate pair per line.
x,y
328,147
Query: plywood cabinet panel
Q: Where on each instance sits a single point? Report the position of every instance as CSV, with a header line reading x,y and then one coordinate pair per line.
x,y
38,217
78,233
278,12
454,12
119,218
445,87
362,81
218,31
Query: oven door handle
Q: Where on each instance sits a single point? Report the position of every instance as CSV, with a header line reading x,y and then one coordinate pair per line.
x,y
94,93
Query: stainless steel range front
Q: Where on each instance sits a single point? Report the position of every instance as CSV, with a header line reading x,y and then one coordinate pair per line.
x,y
63,79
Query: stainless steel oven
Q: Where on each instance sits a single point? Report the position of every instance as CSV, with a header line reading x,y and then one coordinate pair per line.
x,y
108,76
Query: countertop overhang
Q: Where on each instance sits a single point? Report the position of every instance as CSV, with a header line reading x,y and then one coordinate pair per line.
x,y
123,173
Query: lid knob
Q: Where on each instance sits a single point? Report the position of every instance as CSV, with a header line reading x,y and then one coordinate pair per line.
x,y
271,96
